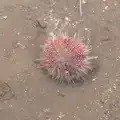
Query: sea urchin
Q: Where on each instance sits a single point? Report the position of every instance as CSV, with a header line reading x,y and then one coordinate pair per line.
x,y
65,59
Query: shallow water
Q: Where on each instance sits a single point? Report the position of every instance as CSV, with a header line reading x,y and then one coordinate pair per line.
x,y
28,94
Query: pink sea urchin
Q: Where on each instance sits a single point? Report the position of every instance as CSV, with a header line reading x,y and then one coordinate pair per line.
x,y
65,59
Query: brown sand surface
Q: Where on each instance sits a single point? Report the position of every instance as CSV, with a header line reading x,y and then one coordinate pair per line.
x,y
28,94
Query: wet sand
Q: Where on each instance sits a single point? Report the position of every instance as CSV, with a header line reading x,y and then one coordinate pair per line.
x,y
28,94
